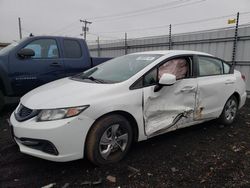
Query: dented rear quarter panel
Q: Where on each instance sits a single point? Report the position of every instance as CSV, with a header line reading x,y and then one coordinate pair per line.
x,y
212,94
240,88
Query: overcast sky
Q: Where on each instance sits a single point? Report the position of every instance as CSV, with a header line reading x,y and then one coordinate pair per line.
x,y
112,18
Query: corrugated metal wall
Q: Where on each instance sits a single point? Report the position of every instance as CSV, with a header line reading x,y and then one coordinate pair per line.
x,y
217,42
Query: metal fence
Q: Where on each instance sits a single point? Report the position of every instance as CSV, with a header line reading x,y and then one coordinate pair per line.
x,y
218,42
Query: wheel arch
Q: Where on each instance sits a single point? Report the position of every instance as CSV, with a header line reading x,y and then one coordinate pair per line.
x,y
237,96
126,115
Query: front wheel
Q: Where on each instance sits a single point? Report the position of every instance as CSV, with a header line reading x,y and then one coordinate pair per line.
x,y
109,140
230,111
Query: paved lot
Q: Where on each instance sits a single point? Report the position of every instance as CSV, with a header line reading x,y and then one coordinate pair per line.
x,y
206,155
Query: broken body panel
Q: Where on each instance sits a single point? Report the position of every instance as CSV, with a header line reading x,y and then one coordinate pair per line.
x,y
170,108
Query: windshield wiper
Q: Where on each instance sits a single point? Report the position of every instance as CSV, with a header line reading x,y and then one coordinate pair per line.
x,y
94,79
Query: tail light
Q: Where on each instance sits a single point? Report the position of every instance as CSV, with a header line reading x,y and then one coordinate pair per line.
x,y
243,77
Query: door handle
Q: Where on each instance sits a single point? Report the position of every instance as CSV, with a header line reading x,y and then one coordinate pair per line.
x,y
188,89
229,82
55,64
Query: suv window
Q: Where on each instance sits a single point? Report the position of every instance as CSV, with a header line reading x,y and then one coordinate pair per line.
x,y
72,49
209,66
44,48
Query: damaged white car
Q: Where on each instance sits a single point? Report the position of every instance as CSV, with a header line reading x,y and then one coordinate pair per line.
x,y
99,113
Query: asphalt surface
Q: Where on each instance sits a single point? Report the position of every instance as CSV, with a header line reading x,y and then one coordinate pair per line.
x,y
205,155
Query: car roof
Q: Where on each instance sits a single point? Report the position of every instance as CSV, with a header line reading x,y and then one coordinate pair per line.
x,y
174,52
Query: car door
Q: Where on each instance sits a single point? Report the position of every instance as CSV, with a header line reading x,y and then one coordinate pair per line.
x,y
45,66
172,106
75,59
216,84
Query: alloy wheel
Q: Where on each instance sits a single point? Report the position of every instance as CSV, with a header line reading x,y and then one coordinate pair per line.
x,y
113,140
230,109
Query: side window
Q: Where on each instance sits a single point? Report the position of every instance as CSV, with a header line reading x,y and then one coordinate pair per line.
x,y
44,48
53,51
178,67
138,84
209,66
150,78
226,68
72,49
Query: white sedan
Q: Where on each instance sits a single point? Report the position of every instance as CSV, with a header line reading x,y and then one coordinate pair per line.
x,y
100,112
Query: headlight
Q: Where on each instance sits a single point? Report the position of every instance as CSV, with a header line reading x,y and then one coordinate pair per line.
x,y
62,113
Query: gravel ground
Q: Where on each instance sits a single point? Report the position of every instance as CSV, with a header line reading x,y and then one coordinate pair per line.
x,y
205,155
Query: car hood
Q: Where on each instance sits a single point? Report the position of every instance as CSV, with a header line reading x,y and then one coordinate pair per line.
x,y
66,93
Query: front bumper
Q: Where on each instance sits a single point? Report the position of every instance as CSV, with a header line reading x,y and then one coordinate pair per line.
x,y
67,136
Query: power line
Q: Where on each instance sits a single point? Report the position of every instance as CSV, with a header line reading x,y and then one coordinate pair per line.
x,y
138,13
139,10
103,36
177,24
203,20
64,28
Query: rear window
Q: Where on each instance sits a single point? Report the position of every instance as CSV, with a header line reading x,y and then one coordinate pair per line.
x,y
72,49
209,66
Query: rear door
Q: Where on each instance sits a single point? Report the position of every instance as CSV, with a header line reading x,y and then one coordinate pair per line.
x,y
45,66
172,106
215,85
76,56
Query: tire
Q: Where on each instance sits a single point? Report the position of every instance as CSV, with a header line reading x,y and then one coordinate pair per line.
x,y
229,112
2,102
109,140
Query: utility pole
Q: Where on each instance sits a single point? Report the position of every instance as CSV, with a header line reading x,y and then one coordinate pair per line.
x,y
20,28
85,28
235,39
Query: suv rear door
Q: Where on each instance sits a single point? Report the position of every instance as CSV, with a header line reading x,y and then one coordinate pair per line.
x,y
76,57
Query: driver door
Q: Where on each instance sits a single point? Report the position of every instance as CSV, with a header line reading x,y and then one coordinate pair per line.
x,y
45,66
173,106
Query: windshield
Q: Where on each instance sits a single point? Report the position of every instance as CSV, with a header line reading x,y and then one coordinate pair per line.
x,y
119,69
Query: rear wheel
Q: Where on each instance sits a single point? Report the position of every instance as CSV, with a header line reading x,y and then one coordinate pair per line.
x,y
109,140
230,111
1,100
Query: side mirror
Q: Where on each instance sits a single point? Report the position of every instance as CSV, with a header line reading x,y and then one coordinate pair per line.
x,y
26,52
167,79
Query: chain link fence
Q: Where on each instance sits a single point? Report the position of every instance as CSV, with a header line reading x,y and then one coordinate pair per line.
x,y
218,42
